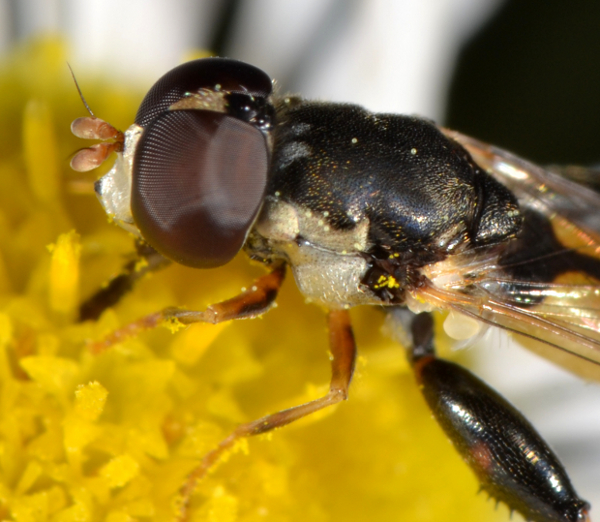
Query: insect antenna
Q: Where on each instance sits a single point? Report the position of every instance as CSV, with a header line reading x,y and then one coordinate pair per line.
x,y
85,103
92,128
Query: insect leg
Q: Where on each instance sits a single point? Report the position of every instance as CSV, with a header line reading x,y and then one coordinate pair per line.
x,y
148,261
510,459
251,303
343,350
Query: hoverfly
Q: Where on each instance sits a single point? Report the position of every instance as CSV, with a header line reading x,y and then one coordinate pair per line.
x,y
366,209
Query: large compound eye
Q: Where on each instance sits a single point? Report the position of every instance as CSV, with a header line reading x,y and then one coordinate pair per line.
x,y
208,73
198,182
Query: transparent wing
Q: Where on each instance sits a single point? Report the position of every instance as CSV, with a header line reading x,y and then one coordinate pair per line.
x,y
548,287
572,326
536,186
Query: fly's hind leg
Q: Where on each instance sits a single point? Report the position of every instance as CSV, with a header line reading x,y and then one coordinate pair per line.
x,y
148,260
343,350
250,303
511,460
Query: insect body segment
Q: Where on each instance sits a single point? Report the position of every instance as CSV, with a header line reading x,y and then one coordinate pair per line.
x,y
511,460
355,165
347,192
365,208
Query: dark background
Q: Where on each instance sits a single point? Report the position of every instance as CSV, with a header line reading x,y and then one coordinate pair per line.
x,y
529,81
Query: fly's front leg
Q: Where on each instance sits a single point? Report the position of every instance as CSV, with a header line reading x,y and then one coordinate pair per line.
x,y
343,350
148,261
251,303
510,459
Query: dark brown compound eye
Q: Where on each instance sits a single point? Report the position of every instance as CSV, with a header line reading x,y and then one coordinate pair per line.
x,y
208,73
198,182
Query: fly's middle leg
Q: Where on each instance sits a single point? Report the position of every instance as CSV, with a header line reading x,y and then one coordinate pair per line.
x,y
343,351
